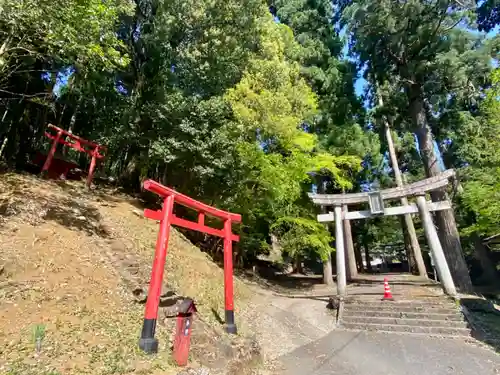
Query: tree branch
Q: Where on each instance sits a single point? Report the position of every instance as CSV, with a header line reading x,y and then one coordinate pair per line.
x,y
452,26
30,52
25,95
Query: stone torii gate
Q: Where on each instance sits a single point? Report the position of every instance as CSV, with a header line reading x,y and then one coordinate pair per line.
x,y
376,200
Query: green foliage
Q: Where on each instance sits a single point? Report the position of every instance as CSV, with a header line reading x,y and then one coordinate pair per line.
x,y
481,196
82,33
275,154
478,141
419,49
331,78
431,67
301,236
210,97
38,332
271,99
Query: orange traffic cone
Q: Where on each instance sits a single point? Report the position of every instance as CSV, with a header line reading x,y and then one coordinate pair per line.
x,y
387,291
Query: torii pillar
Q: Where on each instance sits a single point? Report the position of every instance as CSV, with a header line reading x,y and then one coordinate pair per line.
x,y
340,252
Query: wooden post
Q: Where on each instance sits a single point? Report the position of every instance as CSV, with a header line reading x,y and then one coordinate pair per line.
x,y
352,270
340,254
407,244
228,279
93,161
52,151
435,246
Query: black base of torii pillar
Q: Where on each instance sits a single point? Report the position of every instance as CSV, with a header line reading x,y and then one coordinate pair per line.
x,y
376,201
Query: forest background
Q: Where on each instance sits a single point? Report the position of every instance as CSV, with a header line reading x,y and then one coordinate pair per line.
x,y
248,106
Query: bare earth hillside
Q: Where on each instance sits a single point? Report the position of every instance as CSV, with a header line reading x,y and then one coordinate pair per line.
x,y
74,267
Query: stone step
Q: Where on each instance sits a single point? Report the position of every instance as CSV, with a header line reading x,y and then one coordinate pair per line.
x,y
433,331
402,307
404,322
444,303
455,316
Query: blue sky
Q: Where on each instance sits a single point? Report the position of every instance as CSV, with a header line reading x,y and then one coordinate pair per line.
x,y
61,79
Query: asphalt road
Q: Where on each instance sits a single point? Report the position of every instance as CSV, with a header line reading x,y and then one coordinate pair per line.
x,y
365,353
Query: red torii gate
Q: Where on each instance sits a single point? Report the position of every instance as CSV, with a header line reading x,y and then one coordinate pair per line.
x,y
76,143
148,342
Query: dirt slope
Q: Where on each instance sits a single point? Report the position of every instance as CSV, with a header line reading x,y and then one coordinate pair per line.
x,y
72,267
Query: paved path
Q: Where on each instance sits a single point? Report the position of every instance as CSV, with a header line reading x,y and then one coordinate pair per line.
x,y
363,353
298,336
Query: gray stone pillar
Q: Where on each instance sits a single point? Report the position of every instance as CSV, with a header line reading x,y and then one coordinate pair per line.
x,y
435,246
340,253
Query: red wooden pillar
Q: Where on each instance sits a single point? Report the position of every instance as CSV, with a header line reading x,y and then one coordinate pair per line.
x,y
90,175
52,151
228,278
148,343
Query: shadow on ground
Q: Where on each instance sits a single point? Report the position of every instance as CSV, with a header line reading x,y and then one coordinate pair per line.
x,y
77,216
28,202
484,319
273,278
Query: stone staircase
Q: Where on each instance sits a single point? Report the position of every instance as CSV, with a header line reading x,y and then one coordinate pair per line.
x,y
435,318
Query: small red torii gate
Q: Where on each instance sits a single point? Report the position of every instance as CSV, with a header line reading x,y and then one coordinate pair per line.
x,y
166,217
76,143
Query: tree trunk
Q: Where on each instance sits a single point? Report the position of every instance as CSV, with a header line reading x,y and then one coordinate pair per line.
x,y
164,178
359,258
297,266
275,255
328,271
72,121
11,144
481,253
23,145
367,258
415,252
61,115
445,219
408,248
